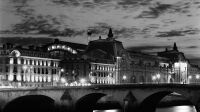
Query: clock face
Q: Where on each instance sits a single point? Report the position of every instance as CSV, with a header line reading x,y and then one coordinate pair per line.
x,y
15,53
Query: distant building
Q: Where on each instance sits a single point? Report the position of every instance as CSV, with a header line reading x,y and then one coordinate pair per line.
x,y
31,67
179,64
102,61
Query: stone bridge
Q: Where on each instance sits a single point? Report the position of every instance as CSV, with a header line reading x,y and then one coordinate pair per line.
x,y
126,97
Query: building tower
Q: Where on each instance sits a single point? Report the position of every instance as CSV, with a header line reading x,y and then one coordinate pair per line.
x,y
175,47
110,34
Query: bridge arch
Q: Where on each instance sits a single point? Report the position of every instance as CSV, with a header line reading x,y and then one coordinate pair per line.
x,y
88,102
30,103
151,102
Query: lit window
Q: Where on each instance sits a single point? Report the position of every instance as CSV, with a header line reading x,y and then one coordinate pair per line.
x,y
40,79
69,48
49,63
19,77
58,46
44,79
36,78
11,60
36,62
40,63
44,63
53,47
74,52
32,78
49,78
18,61
33,62
49,48
28,62
28,78
10,77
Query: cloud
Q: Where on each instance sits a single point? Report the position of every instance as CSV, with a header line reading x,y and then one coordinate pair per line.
x,y
66,2
147,48
192,47
155,11
26,40
180,32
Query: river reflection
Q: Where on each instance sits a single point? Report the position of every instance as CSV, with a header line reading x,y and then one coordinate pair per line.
x,y
185,108
111,110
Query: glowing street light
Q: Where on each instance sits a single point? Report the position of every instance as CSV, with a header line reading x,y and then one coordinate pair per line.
x,y
124,77
190,77
62,70
158,76
82,80
197,76
154,78
63,80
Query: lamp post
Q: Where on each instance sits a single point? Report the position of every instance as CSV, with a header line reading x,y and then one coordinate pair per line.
x,y
158,77
124,77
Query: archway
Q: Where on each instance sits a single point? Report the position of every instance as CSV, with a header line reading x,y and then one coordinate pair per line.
x,y
108,103
168,98
30,103
88,102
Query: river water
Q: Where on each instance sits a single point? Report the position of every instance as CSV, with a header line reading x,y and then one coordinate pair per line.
x,y
185,108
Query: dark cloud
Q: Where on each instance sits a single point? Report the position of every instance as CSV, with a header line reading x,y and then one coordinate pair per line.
x,y
170,34
133,3
45,25
126,32
155,11
99,29
66,2
145,48
21,7
195,61
192,47
101,1
173,33
26,41
89,5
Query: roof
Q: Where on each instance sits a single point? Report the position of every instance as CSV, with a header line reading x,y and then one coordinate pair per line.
x,y
108,46
71,44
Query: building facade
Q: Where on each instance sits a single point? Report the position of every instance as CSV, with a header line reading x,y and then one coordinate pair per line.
x,y
102,61
31,67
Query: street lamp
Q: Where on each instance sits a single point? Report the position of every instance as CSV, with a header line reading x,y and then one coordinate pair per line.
x,y
158,76
62,70
124,77
197,76
82,81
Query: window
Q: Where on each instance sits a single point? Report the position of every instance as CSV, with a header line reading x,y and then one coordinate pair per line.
x,y
6,68
11,60
18,61
38,70
15,60
34,70
47,71
42,70
15,69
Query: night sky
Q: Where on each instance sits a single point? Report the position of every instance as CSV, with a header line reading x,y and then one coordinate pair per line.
x,y
143,25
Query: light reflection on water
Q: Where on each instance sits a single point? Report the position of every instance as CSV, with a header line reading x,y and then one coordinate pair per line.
x,y
112,110
185,108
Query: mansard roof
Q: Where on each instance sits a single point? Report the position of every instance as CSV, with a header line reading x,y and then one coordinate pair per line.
x,y
111,47
71,44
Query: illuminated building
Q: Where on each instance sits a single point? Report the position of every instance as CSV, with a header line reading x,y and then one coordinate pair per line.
x,y
31,67
72,64
102,61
